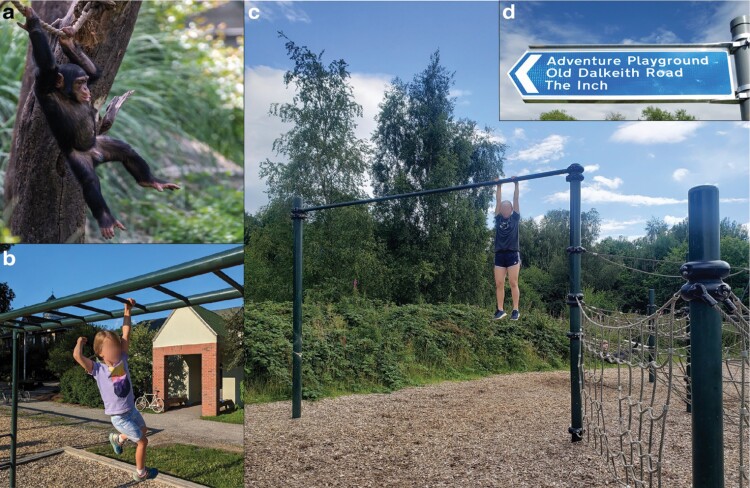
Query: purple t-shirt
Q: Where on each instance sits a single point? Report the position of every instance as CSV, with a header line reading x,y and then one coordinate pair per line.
x,y
114,386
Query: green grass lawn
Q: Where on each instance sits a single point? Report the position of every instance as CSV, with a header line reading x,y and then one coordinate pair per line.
x,y
211,467
235,417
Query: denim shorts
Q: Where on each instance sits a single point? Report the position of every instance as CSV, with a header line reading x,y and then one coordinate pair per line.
x,y
129,423
506,259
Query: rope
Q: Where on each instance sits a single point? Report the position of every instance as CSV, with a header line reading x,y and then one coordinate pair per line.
x,y
634,368
652,260
82,18
601,256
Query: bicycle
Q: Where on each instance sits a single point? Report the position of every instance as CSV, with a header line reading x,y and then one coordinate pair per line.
x,y
23,396
150,400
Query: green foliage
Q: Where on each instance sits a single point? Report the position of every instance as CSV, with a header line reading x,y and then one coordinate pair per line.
x,y
140,359
185,114
209,214
614,116
325,160
61,352
655,113
207,466
558,115
359,345
435,245
77,386
236,416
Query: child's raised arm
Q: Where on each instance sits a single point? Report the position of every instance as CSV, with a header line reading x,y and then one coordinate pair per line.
x,y
126,325
85,362
515,197
498,198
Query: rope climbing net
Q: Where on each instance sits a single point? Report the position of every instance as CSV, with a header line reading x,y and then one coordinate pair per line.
x,y
635,374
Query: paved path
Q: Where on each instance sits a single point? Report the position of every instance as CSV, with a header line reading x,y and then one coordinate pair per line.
x,y
182,425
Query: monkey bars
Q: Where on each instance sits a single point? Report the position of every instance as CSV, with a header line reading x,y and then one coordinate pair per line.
x,y
31,318
574,176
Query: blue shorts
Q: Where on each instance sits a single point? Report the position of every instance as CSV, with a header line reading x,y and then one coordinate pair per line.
x,y
506,259
129,423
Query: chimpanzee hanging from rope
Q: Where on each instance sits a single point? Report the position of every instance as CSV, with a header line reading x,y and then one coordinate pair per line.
x,y
63,94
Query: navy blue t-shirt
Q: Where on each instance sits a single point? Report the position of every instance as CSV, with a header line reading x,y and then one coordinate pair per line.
x,y
506,232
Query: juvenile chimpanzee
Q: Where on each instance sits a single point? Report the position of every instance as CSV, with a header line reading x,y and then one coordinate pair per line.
x,y
65,99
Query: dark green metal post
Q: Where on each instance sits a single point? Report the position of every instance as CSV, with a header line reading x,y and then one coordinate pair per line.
x,y
688,359
14,410
651,339
297,221
704,273
575,176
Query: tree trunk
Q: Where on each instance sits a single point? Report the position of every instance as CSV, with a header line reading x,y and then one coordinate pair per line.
x,y
46,200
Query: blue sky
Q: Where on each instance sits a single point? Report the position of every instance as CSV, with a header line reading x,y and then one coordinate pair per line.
x,y
67,269
644,170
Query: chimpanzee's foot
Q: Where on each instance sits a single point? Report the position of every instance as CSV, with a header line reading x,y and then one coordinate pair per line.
x,y
160,185
107,227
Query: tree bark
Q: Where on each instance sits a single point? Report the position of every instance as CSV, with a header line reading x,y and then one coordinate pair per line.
x,y
46,200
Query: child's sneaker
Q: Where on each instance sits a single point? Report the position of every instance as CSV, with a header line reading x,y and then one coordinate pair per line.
x,y
500,314
514,315
148,473
114,439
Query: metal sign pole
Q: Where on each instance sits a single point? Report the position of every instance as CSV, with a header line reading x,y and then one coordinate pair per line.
x,y
740,28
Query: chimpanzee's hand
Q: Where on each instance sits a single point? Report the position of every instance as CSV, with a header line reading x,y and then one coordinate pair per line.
x,y
32,19
68,41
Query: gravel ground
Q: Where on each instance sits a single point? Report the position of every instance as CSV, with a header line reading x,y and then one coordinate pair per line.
x,y
41,432
38,433
65,471
500,431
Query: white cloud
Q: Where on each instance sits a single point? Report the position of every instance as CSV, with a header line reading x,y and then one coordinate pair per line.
x,y
661,35
538,218
733,200
519,133
550,149
596,195
680,174
608,226
457,93
671,220
292,13
611,183
655,132
591,168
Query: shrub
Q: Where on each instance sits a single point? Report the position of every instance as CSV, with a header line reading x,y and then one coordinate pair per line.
x,y
359,345
76,386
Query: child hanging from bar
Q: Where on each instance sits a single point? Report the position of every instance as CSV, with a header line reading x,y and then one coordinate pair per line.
x,y
113,379
507,255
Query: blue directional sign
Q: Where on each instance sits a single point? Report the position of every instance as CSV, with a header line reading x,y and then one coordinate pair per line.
x,y
624,74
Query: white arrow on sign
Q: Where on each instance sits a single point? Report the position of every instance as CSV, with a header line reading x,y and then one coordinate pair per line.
x,y
523,76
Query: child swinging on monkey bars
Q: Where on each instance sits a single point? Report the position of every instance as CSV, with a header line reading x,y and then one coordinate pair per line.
x,y
507,251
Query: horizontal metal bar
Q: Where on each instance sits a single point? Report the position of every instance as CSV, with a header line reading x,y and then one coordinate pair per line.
x,y
125,300
91,309
435,191
228,279
68,315
199,299
705,45
171,293
208,264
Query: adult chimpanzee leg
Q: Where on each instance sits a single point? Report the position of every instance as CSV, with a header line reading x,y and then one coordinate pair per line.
x,y
116,150
82,165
